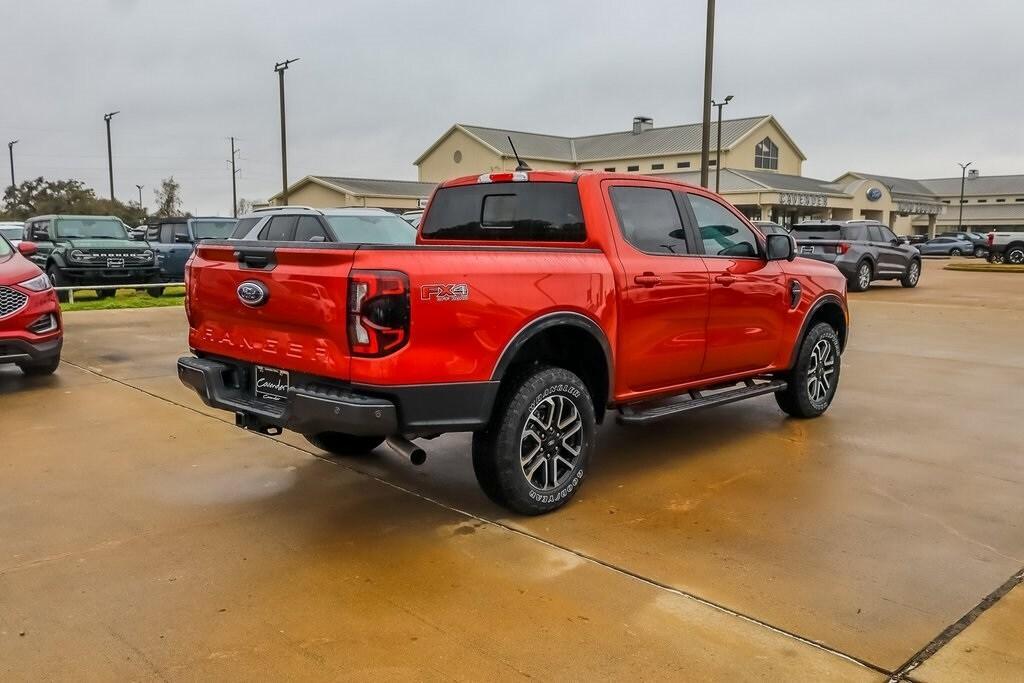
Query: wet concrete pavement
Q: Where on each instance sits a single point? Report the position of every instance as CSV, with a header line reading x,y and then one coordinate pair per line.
x,y
158,541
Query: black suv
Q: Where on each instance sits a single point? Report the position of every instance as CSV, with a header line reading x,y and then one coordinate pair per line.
x,y
89,250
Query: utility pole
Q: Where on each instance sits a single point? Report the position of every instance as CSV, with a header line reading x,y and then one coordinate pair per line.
x,y
234,175
280,68
10,153
718,155
110,156
709,55
140,194
963,177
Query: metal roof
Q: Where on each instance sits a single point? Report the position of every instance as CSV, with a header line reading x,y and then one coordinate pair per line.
x,y
663,141
981,185
733,180
378,187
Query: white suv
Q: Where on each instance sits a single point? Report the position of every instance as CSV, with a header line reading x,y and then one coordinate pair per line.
x,y
305,224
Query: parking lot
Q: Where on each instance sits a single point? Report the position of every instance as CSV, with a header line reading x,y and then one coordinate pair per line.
x,y
146,537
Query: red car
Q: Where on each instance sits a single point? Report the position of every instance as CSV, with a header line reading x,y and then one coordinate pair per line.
x,y
533,305
31,333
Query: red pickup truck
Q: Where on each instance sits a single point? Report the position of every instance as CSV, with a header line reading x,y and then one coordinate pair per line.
x,y
533,304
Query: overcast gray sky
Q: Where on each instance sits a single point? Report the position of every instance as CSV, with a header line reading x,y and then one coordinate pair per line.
x,y
905,88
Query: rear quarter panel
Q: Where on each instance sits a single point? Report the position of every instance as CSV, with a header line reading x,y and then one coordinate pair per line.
x,y
461,340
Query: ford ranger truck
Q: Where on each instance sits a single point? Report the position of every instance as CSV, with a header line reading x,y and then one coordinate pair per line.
x,y
534,305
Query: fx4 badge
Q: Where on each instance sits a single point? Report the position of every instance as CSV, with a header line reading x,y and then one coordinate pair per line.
x,y
441,292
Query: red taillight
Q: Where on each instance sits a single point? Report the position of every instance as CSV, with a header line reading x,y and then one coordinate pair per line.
x,y
511,177
378,312
842,247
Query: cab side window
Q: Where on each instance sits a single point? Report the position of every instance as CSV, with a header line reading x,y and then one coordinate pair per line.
x,y
39,231
876,233
180,230
722,233
649,219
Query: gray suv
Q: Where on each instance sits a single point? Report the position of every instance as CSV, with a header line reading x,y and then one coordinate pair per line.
x,y
862,250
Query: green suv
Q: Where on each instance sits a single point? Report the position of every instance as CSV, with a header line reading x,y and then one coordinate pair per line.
x,y
89,250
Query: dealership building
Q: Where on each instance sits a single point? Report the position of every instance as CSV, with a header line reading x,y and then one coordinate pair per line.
x,y
761,174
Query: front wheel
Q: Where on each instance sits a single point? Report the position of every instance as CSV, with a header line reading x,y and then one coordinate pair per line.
x,y
40,368
979,252
57,279
913,274
533,455
155,292
813,380
338,443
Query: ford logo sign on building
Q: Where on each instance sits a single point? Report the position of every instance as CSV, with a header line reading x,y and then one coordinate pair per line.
x,y
874,194
252,293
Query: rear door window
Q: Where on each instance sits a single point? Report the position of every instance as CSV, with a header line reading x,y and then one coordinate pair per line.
x,y
857,233
279,229
876,233
527,212
649,219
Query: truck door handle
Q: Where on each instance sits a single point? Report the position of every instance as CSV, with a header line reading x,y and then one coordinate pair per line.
x,y
647,280
725,280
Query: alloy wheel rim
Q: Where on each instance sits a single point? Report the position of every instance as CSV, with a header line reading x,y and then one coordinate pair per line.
x,y
1016,256
821,371
864,276
915,272
551,442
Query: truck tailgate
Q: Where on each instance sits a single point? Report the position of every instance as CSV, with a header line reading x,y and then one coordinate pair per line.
x,y
300,326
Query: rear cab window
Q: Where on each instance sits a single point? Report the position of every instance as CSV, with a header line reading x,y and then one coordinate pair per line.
x,y
507,212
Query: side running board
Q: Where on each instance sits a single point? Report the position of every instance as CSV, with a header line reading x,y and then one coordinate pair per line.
x,y
642,413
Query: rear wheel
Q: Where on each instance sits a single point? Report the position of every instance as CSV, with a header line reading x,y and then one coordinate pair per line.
x,y
105,293
979,252
955,251
1014,255
339,443
813,380
861,279
913,274
155,292
534,453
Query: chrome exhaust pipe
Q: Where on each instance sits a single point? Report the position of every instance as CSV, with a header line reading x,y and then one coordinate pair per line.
x,y
401,445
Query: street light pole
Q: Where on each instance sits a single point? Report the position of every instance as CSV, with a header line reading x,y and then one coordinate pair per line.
x,y
10,153
110,156
280,68
140,194
718,154
963,177
709,54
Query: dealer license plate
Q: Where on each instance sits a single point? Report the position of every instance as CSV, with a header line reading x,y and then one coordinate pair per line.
x,y
271,384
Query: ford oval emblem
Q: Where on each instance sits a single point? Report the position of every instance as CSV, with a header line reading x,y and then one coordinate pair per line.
x,y
252,293
874,194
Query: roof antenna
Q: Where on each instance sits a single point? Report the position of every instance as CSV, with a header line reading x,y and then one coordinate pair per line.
x,y
523,166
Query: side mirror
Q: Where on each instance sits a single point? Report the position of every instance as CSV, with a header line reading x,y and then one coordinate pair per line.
x,y
781,248
27,248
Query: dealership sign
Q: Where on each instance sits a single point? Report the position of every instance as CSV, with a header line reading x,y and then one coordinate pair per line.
x,y
802,199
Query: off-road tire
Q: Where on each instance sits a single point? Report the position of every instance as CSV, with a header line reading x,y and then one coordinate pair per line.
x,y
544,401
41,368
913,274
57,279
856,283
798,399
339,443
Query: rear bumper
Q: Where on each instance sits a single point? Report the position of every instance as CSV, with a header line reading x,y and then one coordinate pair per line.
x,y
317,404
23,351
